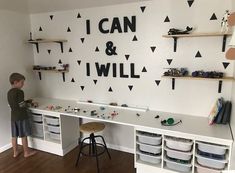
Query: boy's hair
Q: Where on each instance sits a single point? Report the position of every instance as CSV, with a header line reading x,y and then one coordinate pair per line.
x,y
16,77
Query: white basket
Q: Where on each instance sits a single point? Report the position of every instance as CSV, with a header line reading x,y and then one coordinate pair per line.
x,y
178,154
178,166
37,117
55,129
149,148
201,169
211,163
148,158
54,136
212,148
37,129
179,143
52,121
148,138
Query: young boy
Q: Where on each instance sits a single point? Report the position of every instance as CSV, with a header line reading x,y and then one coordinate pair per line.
x,y
20,126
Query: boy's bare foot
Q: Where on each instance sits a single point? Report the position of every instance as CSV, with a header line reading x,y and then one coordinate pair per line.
x,y
16,154
30,153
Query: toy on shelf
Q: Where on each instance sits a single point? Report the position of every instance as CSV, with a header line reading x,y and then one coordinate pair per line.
x,y
174,31
208,74
176,72
64,67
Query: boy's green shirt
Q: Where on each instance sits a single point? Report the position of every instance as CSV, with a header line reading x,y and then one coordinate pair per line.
x,y
16,101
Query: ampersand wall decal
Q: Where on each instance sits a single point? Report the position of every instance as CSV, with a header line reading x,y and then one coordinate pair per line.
x,y
110,49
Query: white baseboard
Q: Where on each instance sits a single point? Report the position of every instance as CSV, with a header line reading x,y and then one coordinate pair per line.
x,y
121,148
5,147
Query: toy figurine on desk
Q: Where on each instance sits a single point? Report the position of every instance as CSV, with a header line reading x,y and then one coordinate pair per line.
x,y
174,31
176,72
31,103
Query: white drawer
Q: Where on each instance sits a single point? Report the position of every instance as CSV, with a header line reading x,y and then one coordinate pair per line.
x,y
37,129
149,148
149,138
178,166
179,143
212,148
201,169
55,129
36,117
211,163
55,136
178,154
149,158
52,121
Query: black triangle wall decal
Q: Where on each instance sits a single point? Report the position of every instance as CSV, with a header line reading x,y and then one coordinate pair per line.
x,y
95,81
79,62
79,15
40,29
157,82
82,87
190,3
49,51
127,57
97,49
130,87
134,38
70,49
169,61
68,30
225,64
82,39
60,62
144,70
51,17
198,55
142,8
167,19
72,80
110,89
213,17
153,48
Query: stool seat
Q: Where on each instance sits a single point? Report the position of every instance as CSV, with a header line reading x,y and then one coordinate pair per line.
x,y
92,127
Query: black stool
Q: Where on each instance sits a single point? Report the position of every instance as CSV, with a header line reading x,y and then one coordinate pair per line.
x,y
92,128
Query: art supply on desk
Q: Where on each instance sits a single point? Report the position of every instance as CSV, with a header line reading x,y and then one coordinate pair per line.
x,y
170,122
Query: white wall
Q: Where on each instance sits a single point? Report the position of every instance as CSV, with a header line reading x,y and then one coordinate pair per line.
x,y
15,56
189,97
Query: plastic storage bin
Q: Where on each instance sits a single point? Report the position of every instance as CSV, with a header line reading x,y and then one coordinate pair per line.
x,y
201,169
54,129
52,121
149,158
178,166
178,143
149,138
178,154
55,136
212,148
149,148
36,117
37,129
211,163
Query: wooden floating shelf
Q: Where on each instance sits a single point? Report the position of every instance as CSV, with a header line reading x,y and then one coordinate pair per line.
x,y
48,41
200,78
213,34
38,41
220,80
198,35
56,71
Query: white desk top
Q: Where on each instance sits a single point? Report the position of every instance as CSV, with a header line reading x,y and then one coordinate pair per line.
x,y
191,127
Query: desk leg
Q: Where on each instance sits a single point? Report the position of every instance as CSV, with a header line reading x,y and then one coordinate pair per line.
x,y
80,137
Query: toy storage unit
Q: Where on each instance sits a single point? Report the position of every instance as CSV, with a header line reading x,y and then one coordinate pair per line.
x,y
159,152
53,132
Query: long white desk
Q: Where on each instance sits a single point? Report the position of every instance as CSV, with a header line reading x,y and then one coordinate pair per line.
x,y
194,128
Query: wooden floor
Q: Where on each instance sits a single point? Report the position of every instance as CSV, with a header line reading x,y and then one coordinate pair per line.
x,y
48,163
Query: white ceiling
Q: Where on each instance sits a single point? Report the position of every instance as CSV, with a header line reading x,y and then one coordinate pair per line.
x,y
40,6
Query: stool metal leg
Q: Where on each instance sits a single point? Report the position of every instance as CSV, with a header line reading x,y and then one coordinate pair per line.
x,y
95,151
79,154
105,146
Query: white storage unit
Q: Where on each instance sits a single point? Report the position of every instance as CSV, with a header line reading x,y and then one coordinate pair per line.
x,y
53,132
211,163
149,148
178,143
201,169
149,138
212,148
149,158
178,154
